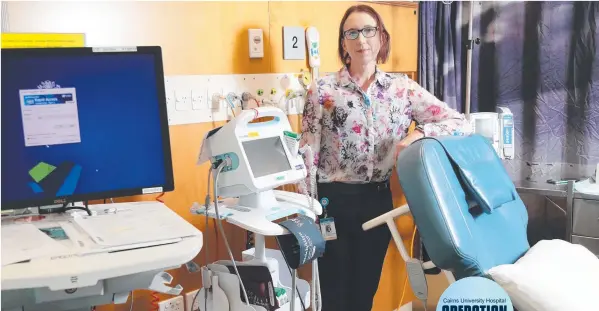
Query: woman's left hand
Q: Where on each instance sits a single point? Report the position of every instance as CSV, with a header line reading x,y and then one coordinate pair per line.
x,y
408,140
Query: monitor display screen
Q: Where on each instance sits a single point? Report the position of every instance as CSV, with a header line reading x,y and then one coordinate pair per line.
x,y
82,125
266,156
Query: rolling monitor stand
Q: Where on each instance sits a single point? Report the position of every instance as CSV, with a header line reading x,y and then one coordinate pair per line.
x,y
84,124
250,159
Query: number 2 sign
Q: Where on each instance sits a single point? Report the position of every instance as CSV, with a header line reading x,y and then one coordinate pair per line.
x,y
294,43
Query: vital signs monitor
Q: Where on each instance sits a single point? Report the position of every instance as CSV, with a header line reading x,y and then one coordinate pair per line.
x,y
81,124
257,155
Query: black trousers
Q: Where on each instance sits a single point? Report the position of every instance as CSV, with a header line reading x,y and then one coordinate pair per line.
x,y
351,266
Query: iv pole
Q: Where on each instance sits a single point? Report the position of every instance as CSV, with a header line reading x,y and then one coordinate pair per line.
x,y
469,45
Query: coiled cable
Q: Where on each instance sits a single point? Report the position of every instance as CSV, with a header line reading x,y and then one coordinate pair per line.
x,y
222,230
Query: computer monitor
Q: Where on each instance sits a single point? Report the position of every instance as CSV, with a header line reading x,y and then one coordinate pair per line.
x,y
83,124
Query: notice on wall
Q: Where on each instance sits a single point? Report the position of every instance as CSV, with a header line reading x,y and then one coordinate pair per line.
x,y
42,40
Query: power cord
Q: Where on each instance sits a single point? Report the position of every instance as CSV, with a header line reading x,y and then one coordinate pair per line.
x,y
206,206
230,98
220,164
222,230
245,100
155,295
131,305
154,301
65,207
290,273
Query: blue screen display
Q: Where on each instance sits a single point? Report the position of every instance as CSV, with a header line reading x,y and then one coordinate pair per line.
x,y
80,124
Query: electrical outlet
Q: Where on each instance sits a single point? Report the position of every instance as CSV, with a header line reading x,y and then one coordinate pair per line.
x,y
189,300
174,304
199,99
182,100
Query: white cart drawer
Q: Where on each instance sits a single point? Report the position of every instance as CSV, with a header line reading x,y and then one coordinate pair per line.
x,y
586,218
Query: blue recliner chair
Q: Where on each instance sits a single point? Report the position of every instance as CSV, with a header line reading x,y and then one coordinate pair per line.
x,y
472,222
469,216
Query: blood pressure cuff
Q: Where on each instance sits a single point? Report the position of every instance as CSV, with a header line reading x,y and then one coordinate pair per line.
x,y
304,244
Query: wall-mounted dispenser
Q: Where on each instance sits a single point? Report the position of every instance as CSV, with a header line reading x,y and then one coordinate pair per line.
x,y
498,127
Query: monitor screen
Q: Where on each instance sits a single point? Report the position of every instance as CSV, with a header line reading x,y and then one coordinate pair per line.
x,y
266,156
79,125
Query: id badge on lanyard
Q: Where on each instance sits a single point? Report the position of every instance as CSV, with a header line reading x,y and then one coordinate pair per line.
x,y
327,224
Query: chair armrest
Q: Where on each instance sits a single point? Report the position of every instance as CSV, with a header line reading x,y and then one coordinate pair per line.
x,y
389,219
375,222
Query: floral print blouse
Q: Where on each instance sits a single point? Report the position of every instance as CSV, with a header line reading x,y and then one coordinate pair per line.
x,y
353,134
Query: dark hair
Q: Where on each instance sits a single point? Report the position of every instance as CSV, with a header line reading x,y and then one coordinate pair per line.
x,y
384,34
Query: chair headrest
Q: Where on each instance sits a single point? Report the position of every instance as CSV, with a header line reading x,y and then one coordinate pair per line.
x,y
473,163
465,206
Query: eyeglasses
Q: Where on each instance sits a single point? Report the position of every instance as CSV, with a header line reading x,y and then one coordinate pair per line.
x,y
367,32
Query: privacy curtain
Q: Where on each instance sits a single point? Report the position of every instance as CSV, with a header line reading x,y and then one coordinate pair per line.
x,y
537,58
440,51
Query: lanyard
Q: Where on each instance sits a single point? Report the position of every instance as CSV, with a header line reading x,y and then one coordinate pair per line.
x,y
324,202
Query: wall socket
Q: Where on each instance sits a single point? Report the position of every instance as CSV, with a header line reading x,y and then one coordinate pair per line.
x,y
182,101
174,304
190,97
199,99
189,300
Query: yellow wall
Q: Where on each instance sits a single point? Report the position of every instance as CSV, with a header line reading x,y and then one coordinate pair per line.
x,y
211,38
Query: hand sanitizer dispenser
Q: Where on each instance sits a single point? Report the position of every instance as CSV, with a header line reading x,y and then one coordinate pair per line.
x,y
506,133
498,128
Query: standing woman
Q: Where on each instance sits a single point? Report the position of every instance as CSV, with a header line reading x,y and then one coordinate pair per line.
x,y
356,123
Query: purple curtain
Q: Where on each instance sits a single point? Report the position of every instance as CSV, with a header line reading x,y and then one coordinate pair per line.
x,y
539,59
440,49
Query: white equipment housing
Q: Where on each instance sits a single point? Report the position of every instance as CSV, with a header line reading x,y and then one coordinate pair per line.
x,y
259,158
88,274
498,127
252,170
